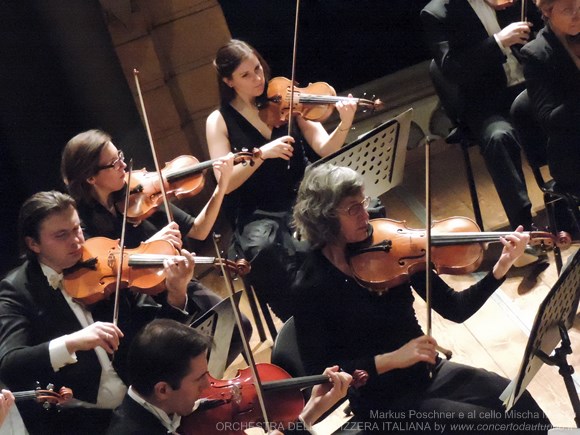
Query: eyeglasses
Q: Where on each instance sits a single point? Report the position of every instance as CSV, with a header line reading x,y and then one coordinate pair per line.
x,y
569,12
357,208
117,163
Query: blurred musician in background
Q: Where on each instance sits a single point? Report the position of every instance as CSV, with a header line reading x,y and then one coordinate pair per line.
x,y
552,71
473,43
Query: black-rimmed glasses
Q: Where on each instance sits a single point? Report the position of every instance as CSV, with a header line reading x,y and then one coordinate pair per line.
x,y
116,164
357,208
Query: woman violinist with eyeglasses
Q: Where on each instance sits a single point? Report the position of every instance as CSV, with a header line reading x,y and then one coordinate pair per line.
x,y
339,320
94,171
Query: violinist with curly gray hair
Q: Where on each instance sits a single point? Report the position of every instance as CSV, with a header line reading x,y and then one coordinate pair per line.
x,y
341,322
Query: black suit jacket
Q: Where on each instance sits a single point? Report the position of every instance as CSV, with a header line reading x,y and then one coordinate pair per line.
x,y
466,54
32,314
553,82
132,419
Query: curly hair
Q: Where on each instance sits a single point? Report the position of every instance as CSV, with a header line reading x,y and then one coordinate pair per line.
x,y
320,193
545,5
541,4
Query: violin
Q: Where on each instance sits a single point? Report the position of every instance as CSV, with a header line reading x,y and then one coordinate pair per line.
x,y
94,277
182,177
314,102
393,251
47,397
234,401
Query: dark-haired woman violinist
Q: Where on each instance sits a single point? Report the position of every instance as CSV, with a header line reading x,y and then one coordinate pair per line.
x,y
94,171
260,197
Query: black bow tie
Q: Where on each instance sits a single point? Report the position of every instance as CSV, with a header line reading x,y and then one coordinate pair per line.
x,y
91,263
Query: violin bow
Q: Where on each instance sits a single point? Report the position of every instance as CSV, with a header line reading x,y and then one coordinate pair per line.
x,y
245,340
428,268
122,245
293,73
524,11
150,137
428,232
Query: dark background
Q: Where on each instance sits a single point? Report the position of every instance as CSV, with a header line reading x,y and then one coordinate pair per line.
x,y
59,75
342,42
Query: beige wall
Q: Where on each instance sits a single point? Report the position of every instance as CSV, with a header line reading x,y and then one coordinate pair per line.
x,y
172,44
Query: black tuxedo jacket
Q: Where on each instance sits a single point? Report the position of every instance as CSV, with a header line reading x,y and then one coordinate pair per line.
x,y
553,82
132,419
464,51
32,314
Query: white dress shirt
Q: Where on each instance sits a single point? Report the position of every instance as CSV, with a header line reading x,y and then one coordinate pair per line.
x,y
513,69
111,387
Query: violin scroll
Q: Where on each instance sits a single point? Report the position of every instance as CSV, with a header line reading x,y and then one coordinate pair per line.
x,y
240,267
246,156
546,240
47,397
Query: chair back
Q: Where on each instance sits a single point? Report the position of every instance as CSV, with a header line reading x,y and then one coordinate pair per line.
x,y
285,352
532,138
448,92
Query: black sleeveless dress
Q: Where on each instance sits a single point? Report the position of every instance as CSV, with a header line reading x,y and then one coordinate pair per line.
x,y
260,211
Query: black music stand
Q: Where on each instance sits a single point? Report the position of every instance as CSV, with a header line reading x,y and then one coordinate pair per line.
x,y
378,155
219,323
555,316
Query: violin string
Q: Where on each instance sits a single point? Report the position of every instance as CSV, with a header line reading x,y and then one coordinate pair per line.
x,y
157,259
245,341
122,245
32,394
176,174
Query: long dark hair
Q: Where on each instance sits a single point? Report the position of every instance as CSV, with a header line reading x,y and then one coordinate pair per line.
x,y
227,59
80,161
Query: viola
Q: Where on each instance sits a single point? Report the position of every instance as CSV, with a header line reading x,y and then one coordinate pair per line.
x,y
47,397
234,401
93,278
182,177
314,102
394,251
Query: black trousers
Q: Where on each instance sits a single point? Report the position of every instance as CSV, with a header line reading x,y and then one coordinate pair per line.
x,y
458,400
492,127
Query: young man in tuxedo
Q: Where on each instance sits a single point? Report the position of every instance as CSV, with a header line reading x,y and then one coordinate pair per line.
x,y
47,336
168,373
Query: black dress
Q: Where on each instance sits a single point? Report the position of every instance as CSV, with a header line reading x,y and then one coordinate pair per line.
x,y
260,211
340,322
